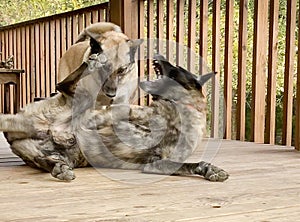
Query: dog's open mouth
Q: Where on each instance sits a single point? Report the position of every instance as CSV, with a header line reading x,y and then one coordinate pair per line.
x,y
157,68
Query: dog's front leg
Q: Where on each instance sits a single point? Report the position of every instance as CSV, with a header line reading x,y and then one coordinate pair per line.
x,y
208,171
57,167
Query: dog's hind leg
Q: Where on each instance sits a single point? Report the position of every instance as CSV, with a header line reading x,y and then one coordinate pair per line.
x,y
42,155
16,123
208,171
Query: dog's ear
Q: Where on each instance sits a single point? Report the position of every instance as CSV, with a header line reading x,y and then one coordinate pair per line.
x,y
204,78
134,44
95,46
68,85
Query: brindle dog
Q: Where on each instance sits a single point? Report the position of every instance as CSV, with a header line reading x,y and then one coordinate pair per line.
x,y
64,132
156,138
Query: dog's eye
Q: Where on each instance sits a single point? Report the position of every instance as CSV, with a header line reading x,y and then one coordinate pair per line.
x,y
122,70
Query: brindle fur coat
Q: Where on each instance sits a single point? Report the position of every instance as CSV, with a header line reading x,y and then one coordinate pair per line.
x,y
64,132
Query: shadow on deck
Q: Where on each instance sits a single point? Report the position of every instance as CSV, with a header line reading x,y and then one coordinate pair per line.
x,y
264,185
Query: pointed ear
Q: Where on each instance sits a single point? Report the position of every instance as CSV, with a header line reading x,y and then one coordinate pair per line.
x,y
137,42
133,47
68,85
95,46
204,78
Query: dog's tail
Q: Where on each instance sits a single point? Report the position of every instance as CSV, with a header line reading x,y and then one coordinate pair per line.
x,y
16,123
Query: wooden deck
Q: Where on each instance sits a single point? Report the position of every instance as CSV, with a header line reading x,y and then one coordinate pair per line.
x,y
264,185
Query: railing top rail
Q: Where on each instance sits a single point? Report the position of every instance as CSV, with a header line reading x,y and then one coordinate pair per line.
x,y
104,5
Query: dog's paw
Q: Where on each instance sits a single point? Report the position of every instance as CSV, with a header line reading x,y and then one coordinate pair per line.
x,y
211,172
216,174
63,172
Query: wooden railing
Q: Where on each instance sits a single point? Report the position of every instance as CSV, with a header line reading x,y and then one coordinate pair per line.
x,y
214,40
37,46
208,28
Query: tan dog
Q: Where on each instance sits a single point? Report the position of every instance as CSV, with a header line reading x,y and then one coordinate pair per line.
x,y
42,132
117,46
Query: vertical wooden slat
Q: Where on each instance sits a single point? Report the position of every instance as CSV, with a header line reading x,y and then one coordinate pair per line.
x,y
80,23
103,15
9,43
8,39
18,48
28,64
242,62
191,36
14,46
58,39
289,72
2,42
95,16
272,73
69,32
228,57
33,59
133,20
259,71
41,72
203,29
47,58
74,28
141,61
19,62
2,48
87,18
180,33
121,14
14,52
23,66
160,22
53,55
150,36
169,31
63,35
216,67
297,123
37,61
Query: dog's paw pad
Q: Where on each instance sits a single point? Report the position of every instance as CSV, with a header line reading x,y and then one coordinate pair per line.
x,y
63,172
216,174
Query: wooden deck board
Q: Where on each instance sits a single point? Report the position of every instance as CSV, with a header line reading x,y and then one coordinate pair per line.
x,y
264,185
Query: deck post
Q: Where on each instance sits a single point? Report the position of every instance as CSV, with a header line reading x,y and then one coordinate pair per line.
x,y
125,14
289,73
297,132
259,71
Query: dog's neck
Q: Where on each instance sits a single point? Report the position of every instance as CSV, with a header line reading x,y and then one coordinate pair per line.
x,y
193,101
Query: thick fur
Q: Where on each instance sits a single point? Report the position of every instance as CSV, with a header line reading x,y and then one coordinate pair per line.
x,y
95,30
156,138
117,47
65,131
41,134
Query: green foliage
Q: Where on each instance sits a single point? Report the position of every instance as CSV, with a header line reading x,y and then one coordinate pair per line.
x,y
14,11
